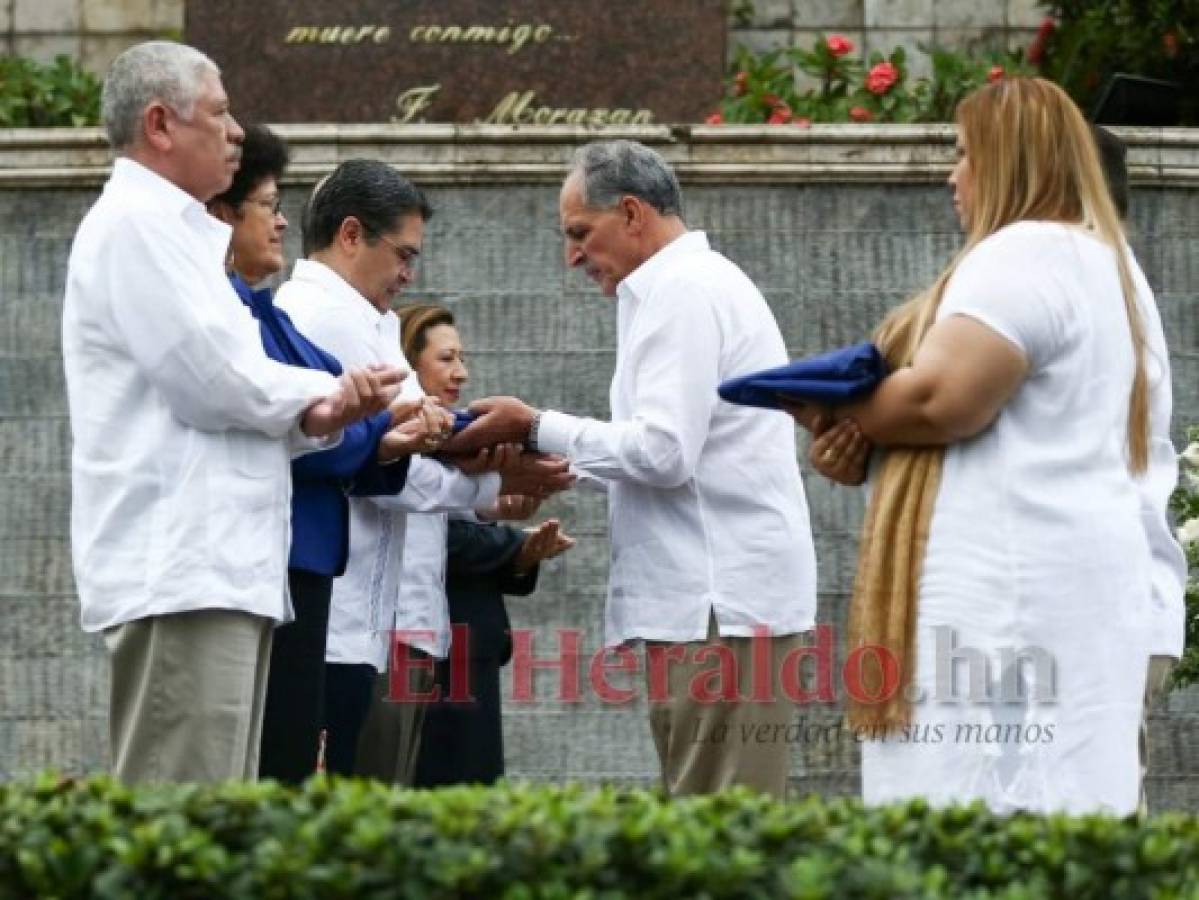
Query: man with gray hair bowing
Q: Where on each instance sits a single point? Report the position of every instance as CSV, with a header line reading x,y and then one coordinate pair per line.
x,y
711,542
183,432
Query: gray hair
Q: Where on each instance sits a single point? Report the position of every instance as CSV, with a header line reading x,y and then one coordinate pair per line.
x,y
155,70
614,169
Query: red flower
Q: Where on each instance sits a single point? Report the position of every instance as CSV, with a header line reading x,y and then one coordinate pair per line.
x,y
1048,26
740,83
1036,51
714,119
771,100
882,78
802,122
995,74
838,45
860,114
1170,44
780,115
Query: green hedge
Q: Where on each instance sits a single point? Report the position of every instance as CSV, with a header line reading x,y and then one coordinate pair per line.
x,y
94,838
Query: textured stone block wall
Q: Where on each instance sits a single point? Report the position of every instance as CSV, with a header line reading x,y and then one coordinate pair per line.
x,y
829,257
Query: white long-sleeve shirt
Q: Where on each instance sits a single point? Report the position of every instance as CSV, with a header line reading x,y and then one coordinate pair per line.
x,y
365,603
183,428
705,504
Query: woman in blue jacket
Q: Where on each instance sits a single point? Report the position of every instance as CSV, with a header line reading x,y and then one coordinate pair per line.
x,y
372,458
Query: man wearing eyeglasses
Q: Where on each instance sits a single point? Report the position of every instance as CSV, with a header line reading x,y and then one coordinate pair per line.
x,y
183,432
363,233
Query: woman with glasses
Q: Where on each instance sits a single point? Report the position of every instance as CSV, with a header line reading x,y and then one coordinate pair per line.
x,y
370,459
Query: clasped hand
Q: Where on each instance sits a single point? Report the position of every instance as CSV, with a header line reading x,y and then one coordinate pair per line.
x,y
838,451
361,393
418,426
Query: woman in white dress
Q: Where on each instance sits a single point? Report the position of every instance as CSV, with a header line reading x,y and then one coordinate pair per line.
x,y
1007,556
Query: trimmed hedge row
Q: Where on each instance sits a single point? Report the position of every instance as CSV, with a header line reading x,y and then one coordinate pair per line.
x,y
335,838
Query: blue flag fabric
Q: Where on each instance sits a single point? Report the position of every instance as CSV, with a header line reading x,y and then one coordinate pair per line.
x,y
829,378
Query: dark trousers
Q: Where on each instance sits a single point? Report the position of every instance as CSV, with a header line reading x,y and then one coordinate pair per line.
x,y
463,741
295,690
348,690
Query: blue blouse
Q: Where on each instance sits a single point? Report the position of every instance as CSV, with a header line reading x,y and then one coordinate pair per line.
x,y
320,511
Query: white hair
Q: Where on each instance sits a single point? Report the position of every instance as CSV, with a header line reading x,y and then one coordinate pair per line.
x,y
156,70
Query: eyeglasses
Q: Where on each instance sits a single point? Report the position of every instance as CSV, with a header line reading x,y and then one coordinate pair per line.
x,y
406,256
274,205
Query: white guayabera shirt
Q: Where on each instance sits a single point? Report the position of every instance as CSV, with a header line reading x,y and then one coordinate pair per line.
x,y
181,487
339,320
706,508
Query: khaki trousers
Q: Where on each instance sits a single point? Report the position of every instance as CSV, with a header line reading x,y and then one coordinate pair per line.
x,y
187,695
705,746
390,741
1160,670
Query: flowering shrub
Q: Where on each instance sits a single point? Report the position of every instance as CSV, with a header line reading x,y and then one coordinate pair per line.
x,y
1082,42
762,88
1185,506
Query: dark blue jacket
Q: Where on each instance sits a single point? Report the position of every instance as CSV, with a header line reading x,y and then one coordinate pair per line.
x,y
320,511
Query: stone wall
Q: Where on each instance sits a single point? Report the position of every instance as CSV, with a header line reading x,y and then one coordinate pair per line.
x,y
92,31
835,224
95,31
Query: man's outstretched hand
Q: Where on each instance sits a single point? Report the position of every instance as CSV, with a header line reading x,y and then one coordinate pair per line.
x,y
361,393
501,420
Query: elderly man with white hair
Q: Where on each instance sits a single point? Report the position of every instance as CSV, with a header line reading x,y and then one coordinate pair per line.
x,y
712,556
183,432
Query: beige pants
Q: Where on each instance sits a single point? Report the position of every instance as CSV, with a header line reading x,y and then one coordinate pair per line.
x,y
1160,669
705,746
187,695
390,741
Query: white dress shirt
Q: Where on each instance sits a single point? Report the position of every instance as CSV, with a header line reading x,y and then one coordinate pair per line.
x,y
705,504
365,604
180,475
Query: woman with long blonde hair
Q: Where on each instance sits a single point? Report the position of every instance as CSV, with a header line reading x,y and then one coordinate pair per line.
x,y
1007,569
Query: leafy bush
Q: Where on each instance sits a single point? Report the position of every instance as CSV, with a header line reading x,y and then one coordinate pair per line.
x,y
762,88
332,838
33,94
1085,41
1185,506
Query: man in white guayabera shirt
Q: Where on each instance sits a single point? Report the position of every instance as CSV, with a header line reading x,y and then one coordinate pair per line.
x,y
709,524
183,432
363,231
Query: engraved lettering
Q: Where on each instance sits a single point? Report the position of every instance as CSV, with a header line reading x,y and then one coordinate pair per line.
x,y
337,34
512,36
414,101
517,108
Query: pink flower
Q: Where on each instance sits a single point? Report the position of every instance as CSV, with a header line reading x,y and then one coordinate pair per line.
x,y
740,83
882,78
995,74
802,122
860,114
838,45
780,115
714,119
1047,27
